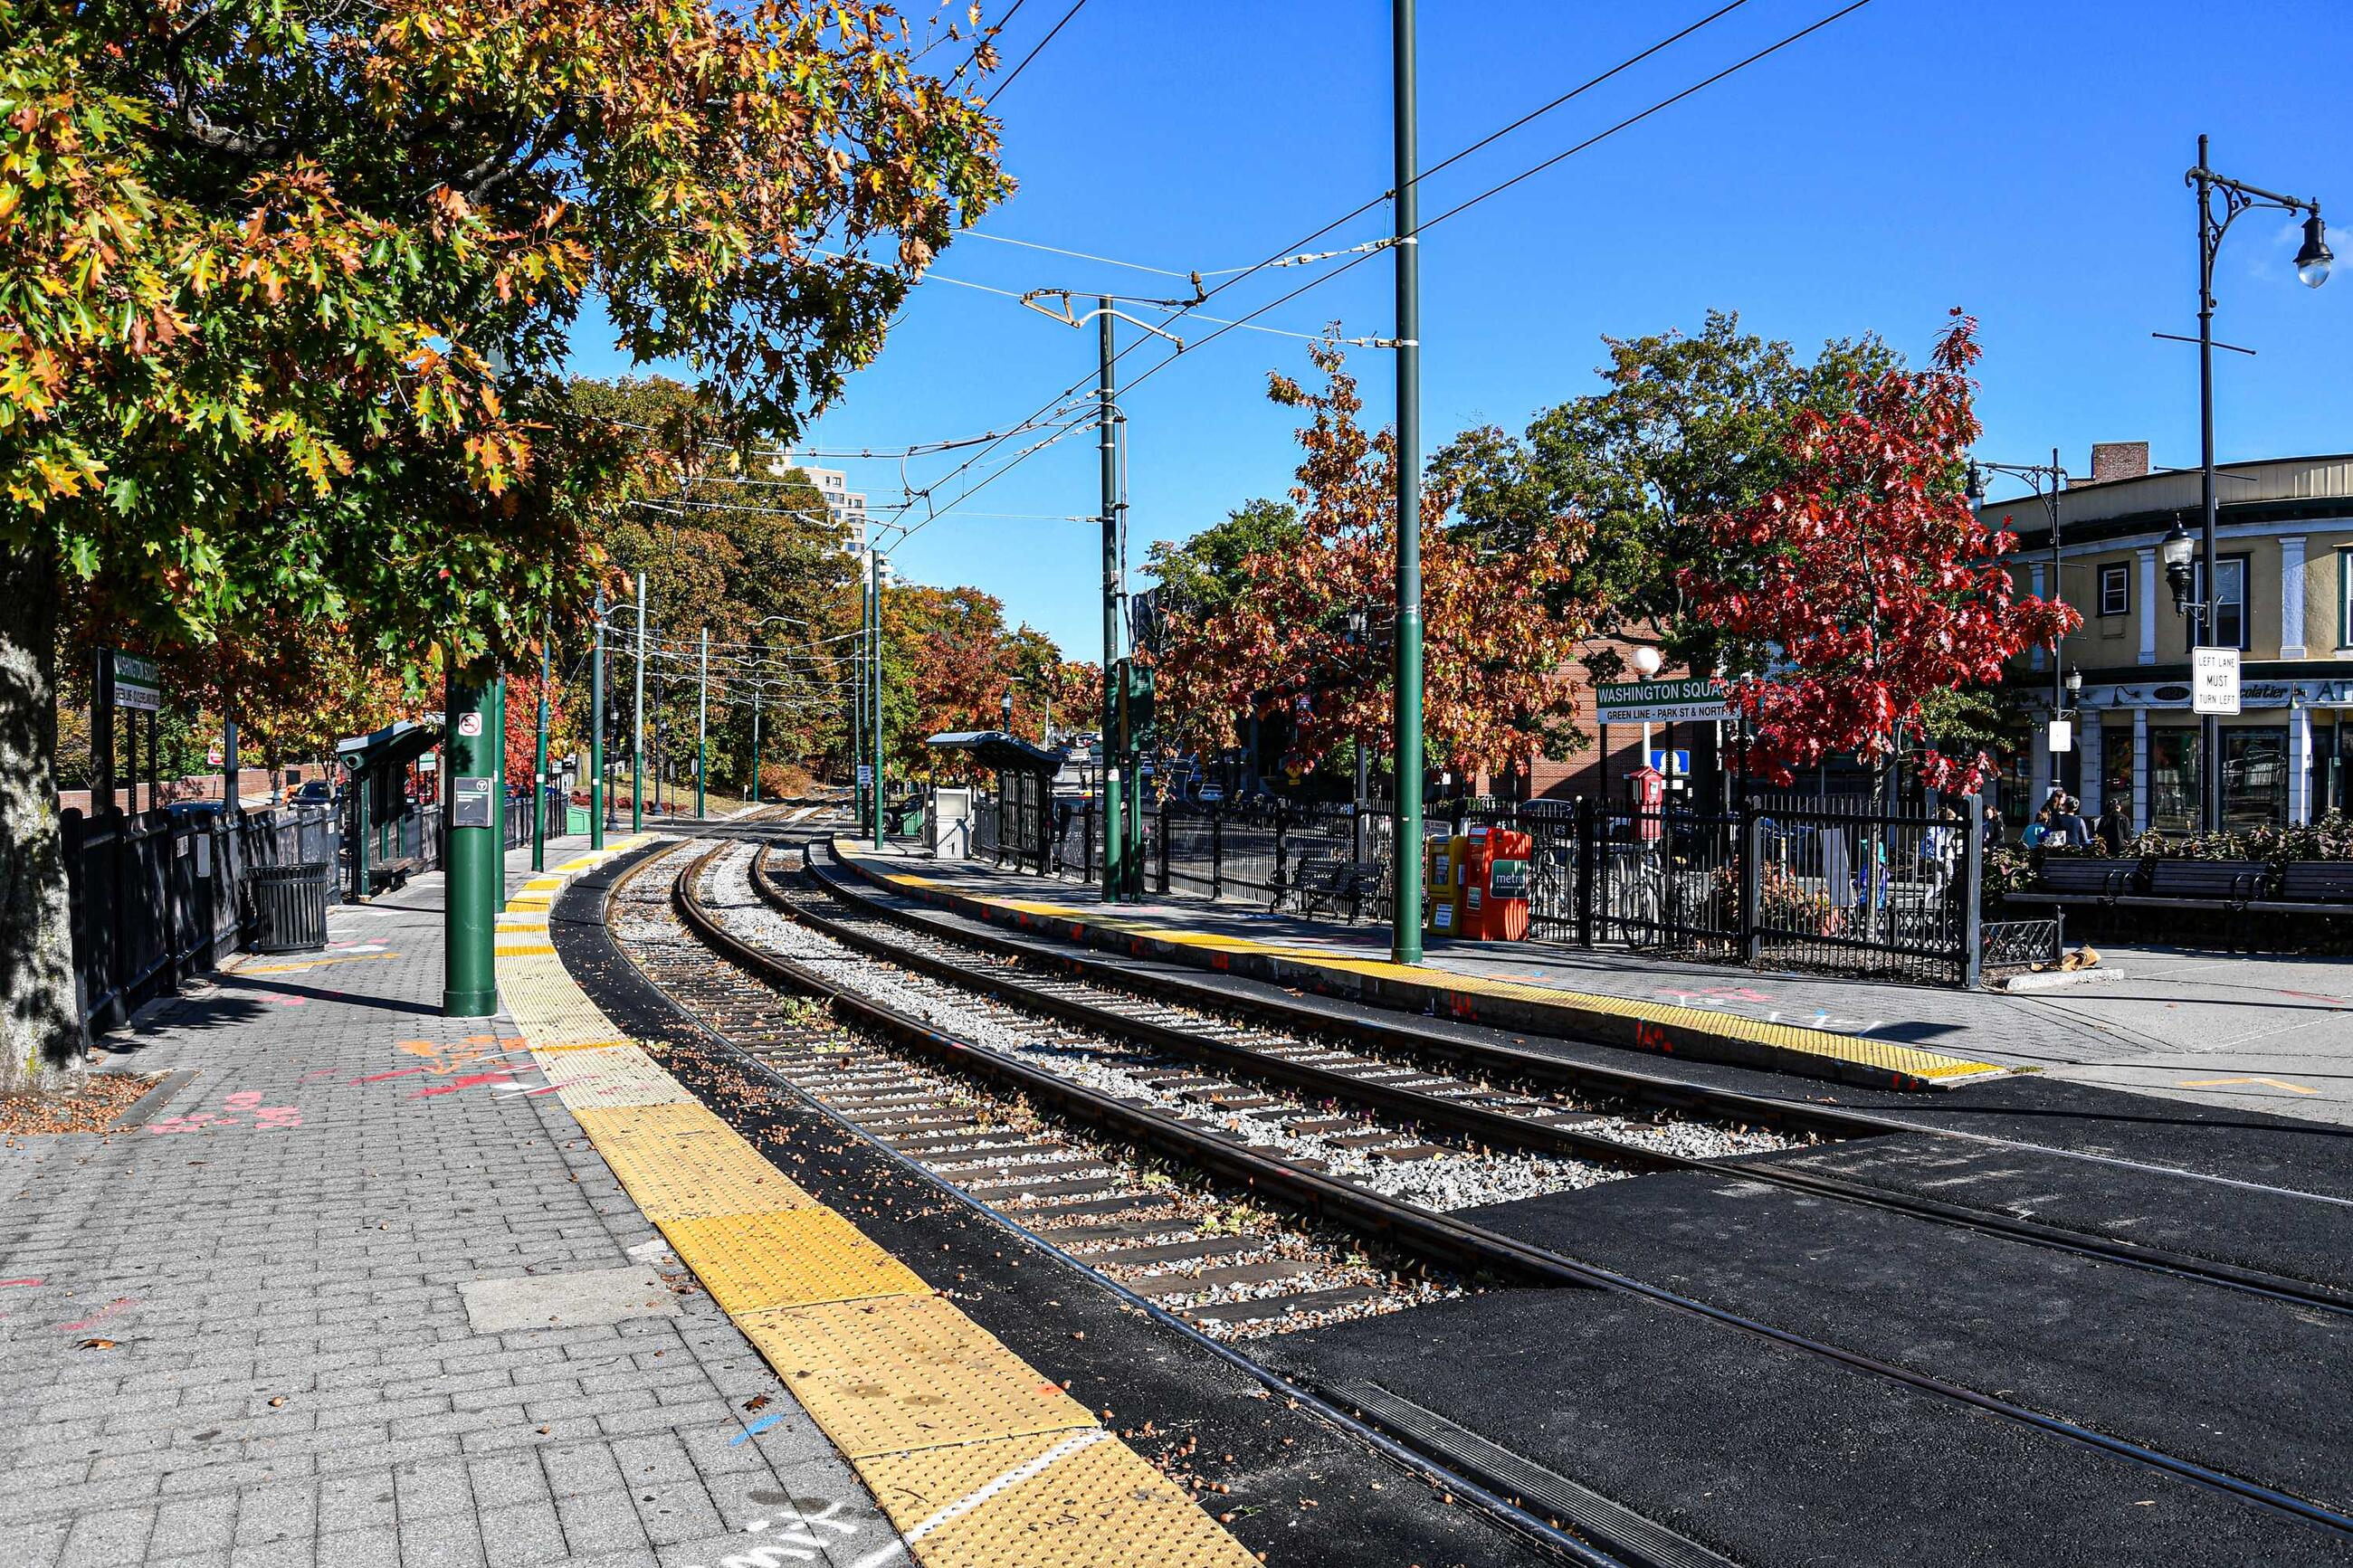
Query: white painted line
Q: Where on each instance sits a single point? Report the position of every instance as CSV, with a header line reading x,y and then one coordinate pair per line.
x,y
1071,1445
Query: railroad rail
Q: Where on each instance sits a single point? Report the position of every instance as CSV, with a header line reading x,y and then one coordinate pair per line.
x,y
1405,1225
1273,1038
1111,1226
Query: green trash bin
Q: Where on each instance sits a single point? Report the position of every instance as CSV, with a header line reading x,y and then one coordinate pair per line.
x,y
575,819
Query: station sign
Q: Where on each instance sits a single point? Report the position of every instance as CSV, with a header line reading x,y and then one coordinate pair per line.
x,y
2214,680
470,805
137,684
1660,701
865,774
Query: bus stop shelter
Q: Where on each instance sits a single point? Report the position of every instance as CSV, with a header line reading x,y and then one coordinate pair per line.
x,y
389,836
1025,789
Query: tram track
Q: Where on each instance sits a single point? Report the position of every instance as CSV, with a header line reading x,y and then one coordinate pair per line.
x,y
1121,1222
1551,1102
1500,1256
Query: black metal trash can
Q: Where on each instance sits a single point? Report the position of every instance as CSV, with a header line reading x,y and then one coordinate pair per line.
x,y
289,907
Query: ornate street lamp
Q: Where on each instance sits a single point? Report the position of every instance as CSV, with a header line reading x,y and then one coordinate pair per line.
x,y
2219,202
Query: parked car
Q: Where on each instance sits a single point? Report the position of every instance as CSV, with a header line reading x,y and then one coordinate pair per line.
x,y
1210,795
180,808
316,791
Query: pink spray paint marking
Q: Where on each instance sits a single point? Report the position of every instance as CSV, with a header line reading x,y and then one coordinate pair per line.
x,y
495,1075
113,1309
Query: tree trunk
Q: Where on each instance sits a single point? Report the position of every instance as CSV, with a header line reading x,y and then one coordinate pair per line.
x,y
41,1034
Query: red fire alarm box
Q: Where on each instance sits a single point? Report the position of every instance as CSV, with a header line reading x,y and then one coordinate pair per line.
x,y
1649,802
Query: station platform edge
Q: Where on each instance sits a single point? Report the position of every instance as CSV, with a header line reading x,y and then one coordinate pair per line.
x,y
974,1457
1654,1028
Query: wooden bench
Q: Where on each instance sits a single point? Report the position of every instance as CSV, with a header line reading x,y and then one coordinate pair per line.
x,y
2311,888
2200,884
2081,879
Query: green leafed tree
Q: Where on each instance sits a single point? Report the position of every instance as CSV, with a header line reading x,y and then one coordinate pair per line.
x,y
285,290
1685,428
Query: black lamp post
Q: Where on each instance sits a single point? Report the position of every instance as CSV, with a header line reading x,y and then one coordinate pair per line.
x,y
2312,261
1006,704
2047,480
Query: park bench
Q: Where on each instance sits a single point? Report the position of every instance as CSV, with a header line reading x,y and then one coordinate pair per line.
x,y
2082,880
2199,884
1331,884
2312,888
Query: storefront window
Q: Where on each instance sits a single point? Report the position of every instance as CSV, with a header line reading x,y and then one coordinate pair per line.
x,y
2173,781
2117,771
2254,777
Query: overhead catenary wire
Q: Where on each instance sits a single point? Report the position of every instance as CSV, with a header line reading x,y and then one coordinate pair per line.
x,y
997,88
1362,252
1501,186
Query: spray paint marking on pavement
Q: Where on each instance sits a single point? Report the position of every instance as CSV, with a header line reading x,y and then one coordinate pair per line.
x,y
244,1103
2218,1083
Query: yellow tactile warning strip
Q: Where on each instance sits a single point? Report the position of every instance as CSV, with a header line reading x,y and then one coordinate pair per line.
x,y
1655,1024
952,1382
615,1075
801,1258
978,1458
1073,1499
680,1161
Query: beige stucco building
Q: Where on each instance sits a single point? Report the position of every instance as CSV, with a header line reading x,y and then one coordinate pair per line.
x,y
2285,582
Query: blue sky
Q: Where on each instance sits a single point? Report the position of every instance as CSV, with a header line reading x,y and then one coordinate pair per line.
x,y
2021,160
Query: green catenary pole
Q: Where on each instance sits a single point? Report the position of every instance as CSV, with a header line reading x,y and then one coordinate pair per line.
x,y
637,733
1114,878
874,594
539,762
596,732
702,725
1405,935
470,920
756,694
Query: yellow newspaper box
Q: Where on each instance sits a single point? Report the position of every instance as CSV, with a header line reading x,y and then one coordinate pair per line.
x,y
1444,882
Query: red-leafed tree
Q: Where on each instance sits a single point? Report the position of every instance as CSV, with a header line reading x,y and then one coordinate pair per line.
x,y
1864,586
1495,655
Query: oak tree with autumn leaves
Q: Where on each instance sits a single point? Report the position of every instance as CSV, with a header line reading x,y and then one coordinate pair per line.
x,y
286,287
1863,588
1495,656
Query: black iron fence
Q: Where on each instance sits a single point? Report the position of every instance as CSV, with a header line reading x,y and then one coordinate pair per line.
x,y
155,897
1890,895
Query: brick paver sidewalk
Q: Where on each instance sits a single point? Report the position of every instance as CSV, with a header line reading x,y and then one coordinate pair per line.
x,y
266,1326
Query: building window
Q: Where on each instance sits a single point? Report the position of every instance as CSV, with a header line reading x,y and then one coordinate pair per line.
x,y
2116,772
2116,590
2173,780
2345,598
2230,602
2254,777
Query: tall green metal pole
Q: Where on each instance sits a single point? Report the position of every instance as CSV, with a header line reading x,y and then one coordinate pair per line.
x,y
469,917
1404,933
539,762
756,694
702,725
874,661
637,735
1115,863
596,732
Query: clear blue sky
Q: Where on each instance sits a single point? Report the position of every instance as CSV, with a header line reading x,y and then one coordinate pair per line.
x,y
2019,158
